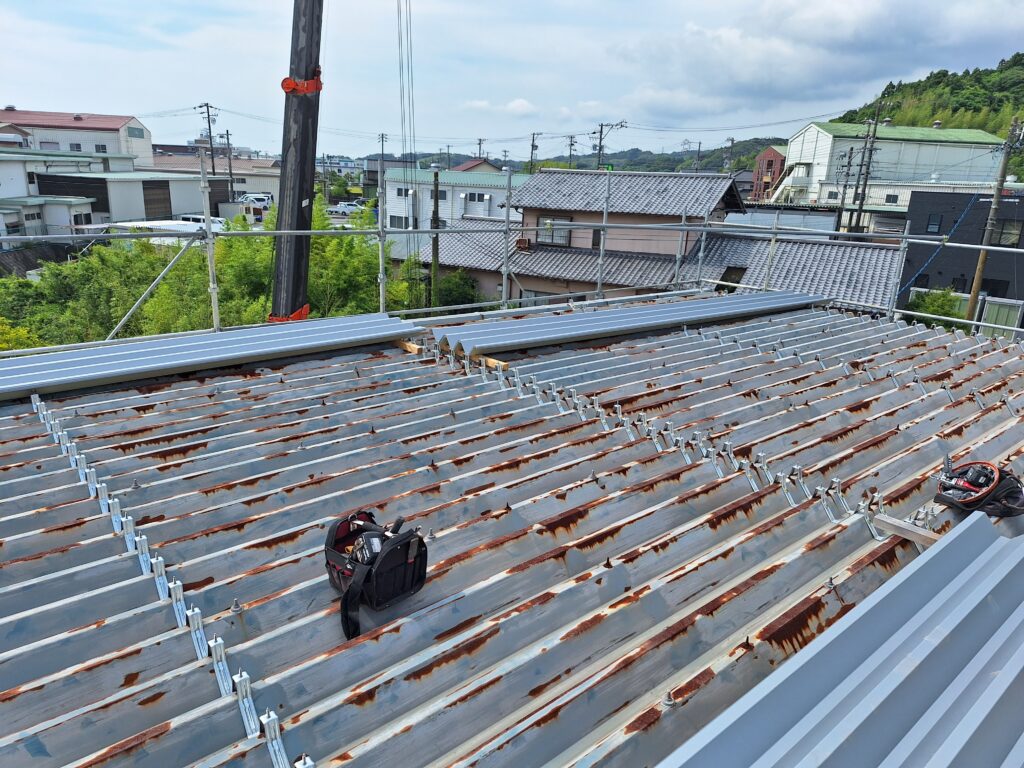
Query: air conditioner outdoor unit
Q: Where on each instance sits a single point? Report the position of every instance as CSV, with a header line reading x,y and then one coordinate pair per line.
x,y
522,244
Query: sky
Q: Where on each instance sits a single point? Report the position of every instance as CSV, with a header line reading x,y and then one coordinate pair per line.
x,y
675,71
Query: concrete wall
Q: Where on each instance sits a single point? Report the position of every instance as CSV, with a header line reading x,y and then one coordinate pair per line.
x,y
132,145
126,202
618,239
66,137
451,209
185,197
13,179
271,184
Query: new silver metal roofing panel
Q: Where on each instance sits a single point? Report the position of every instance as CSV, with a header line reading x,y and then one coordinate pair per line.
x,y
159,355
928,670
502,335
624,538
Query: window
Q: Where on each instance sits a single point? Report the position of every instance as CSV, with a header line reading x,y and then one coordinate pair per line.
x,y
833,195
934,224
892,199
959,284
31,177
75,146
51,145
856,197
595,239
442,194
239,180
136,133
101,148
475,197
83,218
921,281
768,166
402,191
995,288
33,216
547,233
1007,233
398,222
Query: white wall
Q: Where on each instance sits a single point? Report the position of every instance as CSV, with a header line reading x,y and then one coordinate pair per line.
x,y
265,184
66,137
452,208
140,147
126,201
57,218
13,179
186,197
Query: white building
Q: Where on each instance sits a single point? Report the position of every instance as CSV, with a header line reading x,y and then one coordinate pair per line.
x,y
80,132
249,174
409,196
820,154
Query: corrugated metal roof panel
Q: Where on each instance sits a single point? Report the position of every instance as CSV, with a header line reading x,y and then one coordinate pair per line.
x,y
615,531
159,355
502,335
927,670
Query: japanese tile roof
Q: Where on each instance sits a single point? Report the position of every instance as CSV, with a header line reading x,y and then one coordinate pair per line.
x,y
654,194
911,133
624,538
65,120
476,162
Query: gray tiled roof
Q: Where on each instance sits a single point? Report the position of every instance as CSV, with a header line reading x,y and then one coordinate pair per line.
x,y
655,194
846,271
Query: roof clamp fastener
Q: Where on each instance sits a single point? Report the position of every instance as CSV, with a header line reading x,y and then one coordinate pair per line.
x,y
178,603
90,478
243,690
73,456
835,490
450,358
920,384
194,617
1005,400
517,381
761,465
820,494
819,361
83,466
116,518
713,460
668,700
63,441
103,495
797,475
272,732
128,524
744,466
483,370
977,399
36,401
220,665
727,454
142,549
874,507
466,366
160,577
949,393
304,761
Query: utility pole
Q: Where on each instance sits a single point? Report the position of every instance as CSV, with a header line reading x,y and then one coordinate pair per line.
x,y
869,148
533,148
726,166
479,147
1012,139
448,151
856,184
298,162
842,195
599,294
572,143
603,129
504,157
209,132
435,243
506,256
382,275
231,171
696,166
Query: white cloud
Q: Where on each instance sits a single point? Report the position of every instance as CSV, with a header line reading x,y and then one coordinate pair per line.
x,y
516,107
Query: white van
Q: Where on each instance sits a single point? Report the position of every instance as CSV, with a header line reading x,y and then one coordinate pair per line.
x,y
262,199
216,223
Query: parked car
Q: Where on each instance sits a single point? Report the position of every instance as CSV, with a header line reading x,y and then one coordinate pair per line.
x,y
344,209
262,199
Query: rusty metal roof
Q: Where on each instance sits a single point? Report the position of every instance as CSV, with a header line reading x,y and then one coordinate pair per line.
x,y
624,538
923,672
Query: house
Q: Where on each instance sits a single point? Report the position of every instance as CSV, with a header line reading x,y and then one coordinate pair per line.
x,y
822,157
371,168
478,165
246,174
768,167
744,182
81,132
961,217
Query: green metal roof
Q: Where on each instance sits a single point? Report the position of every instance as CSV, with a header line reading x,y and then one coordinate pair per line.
x,y
780,148
454,178
135,176
25,153
911,133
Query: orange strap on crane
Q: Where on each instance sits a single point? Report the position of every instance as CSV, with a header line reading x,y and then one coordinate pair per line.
x,y
301,313
299,87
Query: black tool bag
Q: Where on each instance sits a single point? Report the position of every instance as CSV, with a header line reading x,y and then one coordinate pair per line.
x,y
373,565
982,487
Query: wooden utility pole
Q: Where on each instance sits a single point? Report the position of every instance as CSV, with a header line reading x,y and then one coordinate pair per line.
x,y
298,163
231,170
869,151
479,147
572,144
993,212
846,184
435,244
209,132
533,148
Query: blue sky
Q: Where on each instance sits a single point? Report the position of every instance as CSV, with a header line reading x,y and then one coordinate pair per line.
x,y
707,70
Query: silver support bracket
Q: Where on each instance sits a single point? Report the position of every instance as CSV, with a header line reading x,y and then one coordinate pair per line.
x,y
160,577
128,524
220,665
116,519
243,690
272,733
142,550
195,626
178,603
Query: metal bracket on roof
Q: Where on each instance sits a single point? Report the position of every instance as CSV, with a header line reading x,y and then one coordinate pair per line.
x,y
220,665
62,442
104,498
90,478
949,393
517,382
142,550
451,360
895,381
713,460
195,626
869,510
819,494
977,399
1005,400
819,361
160,577
466,366
73,455
304,761
835,491
761,465
783,481
272,732
243,690
920,384
178,603
744,467
128,524
116,519
726,453
35,401
796,474
483,369
798,356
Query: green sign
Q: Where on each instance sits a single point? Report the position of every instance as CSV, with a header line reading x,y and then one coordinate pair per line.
x,y
606,167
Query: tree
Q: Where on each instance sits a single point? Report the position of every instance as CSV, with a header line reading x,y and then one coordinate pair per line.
x,y
457,288
13,337
943,303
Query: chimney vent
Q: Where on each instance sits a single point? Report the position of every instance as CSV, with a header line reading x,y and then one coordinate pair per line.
x,y
78,117
887,121
937,124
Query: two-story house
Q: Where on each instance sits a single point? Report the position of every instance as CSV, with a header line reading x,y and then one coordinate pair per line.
x,y
768,167
82,132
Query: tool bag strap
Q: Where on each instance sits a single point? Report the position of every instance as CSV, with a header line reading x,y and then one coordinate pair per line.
x,y
351,599
1006,499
